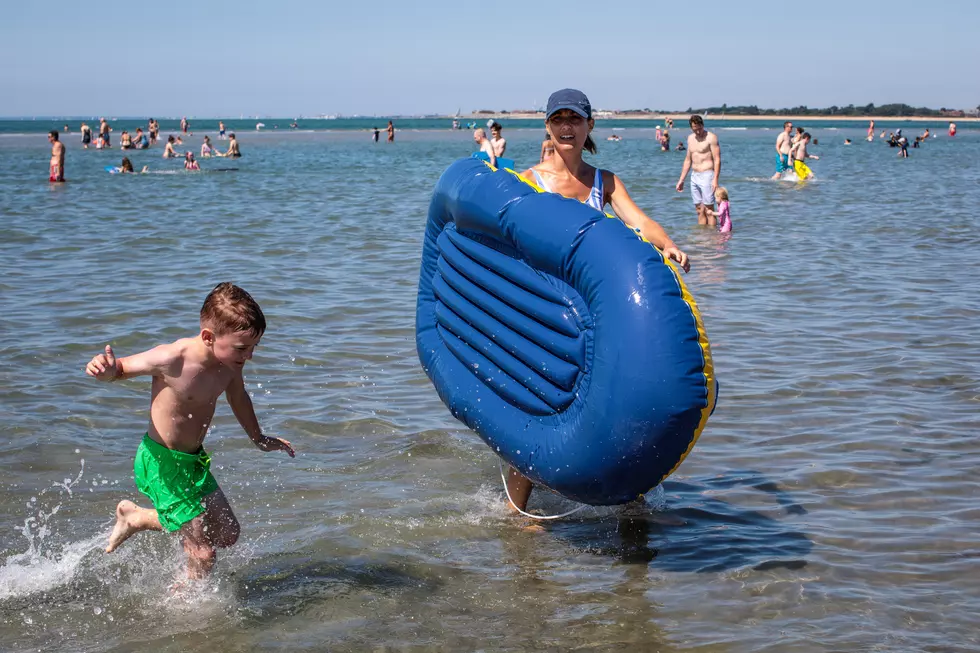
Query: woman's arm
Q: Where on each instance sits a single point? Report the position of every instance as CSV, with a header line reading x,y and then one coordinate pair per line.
x,y
633,216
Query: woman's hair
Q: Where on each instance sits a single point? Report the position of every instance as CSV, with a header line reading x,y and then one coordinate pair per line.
x,y
547,136
799,130
127,165
590,145
722,192
170,139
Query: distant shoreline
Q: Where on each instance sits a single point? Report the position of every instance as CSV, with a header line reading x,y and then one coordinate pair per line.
x,y
682,117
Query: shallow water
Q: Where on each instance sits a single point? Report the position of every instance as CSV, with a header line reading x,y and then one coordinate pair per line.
x,y
830,504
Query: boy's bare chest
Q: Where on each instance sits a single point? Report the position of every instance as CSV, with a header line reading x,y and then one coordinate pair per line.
x,y
197,388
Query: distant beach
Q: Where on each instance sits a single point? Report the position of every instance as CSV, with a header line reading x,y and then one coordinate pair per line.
x,y
600,115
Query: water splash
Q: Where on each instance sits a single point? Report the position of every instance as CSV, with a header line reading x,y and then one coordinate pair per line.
x,y
43,566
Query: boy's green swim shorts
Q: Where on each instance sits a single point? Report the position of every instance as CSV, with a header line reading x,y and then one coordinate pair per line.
x,y
176,482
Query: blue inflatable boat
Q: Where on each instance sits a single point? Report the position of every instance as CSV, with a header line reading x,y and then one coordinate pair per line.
x,y
568,343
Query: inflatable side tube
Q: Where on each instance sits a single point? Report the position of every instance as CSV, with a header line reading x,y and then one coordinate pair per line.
x,y
502,163
568,343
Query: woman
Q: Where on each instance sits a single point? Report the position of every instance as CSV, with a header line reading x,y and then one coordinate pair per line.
x,y
170,150
569,123
206,148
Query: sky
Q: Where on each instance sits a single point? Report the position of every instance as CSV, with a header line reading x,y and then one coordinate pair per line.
x,y
214,58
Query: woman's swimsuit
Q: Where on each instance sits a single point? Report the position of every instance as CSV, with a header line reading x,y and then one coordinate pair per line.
x,y
596,199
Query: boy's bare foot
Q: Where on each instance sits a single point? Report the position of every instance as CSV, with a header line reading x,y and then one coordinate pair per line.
x,y
125,525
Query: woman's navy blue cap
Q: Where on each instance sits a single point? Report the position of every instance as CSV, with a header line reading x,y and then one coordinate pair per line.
x,y
569,98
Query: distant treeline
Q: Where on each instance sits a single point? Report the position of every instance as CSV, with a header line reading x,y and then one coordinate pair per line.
x,y
849,110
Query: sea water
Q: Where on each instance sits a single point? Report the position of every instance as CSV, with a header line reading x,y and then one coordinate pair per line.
x,y
829,505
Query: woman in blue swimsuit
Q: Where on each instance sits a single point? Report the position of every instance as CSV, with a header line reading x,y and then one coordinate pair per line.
x,y
569,124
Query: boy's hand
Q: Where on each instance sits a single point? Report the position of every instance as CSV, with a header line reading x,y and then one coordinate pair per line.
x,y
275,444
104,366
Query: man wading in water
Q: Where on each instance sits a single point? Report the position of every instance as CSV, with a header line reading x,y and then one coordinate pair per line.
x,y
704,161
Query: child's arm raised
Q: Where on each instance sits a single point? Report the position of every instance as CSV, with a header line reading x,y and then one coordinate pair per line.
x,y
241,405
154,362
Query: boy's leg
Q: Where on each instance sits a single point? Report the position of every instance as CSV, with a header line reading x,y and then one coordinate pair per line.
x,y
201,537
131,519
200,552
220,523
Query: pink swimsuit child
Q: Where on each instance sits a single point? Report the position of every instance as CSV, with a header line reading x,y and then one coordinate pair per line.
x,y
724,218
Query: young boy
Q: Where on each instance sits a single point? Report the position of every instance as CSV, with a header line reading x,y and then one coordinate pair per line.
x,y
171,466
799,155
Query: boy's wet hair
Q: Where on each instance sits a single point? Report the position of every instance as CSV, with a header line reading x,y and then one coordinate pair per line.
x,y
805,135
229,309
697,120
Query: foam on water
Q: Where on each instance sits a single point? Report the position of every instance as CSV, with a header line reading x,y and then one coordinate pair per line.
x,y
44,569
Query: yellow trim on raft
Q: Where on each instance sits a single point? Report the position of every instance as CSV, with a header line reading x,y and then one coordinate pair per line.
x,y
494,169
708,368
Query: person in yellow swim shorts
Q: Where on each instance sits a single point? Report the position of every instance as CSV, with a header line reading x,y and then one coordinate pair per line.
x,y
799,155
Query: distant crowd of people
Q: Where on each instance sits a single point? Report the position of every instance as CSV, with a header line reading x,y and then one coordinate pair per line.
x,y
139,140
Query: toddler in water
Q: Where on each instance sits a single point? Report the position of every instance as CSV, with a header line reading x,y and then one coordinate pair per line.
x,y
172,468
723,213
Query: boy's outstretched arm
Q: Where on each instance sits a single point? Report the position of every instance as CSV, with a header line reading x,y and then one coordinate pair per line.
x,y
241,405
154,362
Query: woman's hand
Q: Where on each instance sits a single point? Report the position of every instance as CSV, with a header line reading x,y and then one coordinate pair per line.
x,y
677,255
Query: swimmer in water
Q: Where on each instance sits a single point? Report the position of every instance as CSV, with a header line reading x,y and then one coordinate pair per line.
x,y
221,130
783,148
233,151
800,155
391,131
190,163
206,148
141,142
169,150
723,214
498,142
547,148
480,138
56,169
127,167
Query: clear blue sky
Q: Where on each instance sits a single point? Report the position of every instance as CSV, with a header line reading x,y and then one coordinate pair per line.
x,y
222,58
